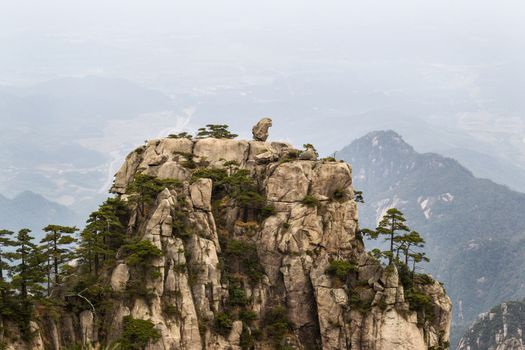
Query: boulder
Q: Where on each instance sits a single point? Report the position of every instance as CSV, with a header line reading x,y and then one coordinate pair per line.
x,y
260,130
200,192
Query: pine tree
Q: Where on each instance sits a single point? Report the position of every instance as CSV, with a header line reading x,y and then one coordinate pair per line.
x,y
57,248
218,131
407,242
391,223
103,234
28,275
417,258
5,287
5,256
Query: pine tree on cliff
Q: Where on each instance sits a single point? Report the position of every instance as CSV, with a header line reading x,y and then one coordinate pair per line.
x,y
407,243
5,286
103,234
57,248
417,258
390,225
218,131
5,256
28,275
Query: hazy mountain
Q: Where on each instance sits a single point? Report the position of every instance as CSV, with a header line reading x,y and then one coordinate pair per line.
x,y
486,166
475,228
64,138
31,210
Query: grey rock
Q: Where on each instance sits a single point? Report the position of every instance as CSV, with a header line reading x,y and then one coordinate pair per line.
x,y
294,248
308,154
260,130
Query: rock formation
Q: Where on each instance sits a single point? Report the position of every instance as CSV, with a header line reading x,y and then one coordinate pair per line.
x,y
499,329
260,130
246,264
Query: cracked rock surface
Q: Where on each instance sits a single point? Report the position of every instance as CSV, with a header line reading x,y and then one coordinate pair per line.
x,y
294,247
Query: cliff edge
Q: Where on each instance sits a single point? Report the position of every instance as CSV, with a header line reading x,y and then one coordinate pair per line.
x,y
260,249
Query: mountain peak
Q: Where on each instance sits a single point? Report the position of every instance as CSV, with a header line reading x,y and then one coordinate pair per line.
x,y
382,148
385,139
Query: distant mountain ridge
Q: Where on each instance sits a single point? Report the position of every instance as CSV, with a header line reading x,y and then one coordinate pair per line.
x,y
475,228
31,210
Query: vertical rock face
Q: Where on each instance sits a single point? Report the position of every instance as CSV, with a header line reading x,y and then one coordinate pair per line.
x,y
499,329
238,272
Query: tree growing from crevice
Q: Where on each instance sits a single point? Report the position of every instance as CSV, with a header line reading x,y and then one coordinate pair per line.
x,y
144,189
104,234
407,243
390,226
402,241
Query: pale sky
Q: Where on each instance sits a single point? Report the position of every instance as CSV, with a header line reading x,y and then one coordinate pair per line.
x,y
446,74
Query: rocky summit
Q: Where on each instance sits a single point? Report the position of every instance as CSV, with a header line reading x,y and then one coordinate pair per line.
x,y
242,245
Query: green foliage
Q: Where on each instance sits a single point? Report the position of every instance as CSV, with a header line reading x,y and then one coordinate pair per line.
x,y
104,234
250,199
87,293
277,324
422,279
180,135
268,210
140,253
188,161
218,131
329,159
171,310
180,224
115,346
414,294
310,201
28,275
247,316
406,277
421,303
223,323
218,177
137,334
247,340
357,303
57,248
242,257
444,345
238,185
145,188
135,289
6,257
237,297
231,165
341,269
407,242
391,223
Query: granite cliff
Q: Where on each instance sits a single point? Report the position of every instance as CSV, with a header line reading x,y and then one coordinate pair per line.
x,y
260,249
499,329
